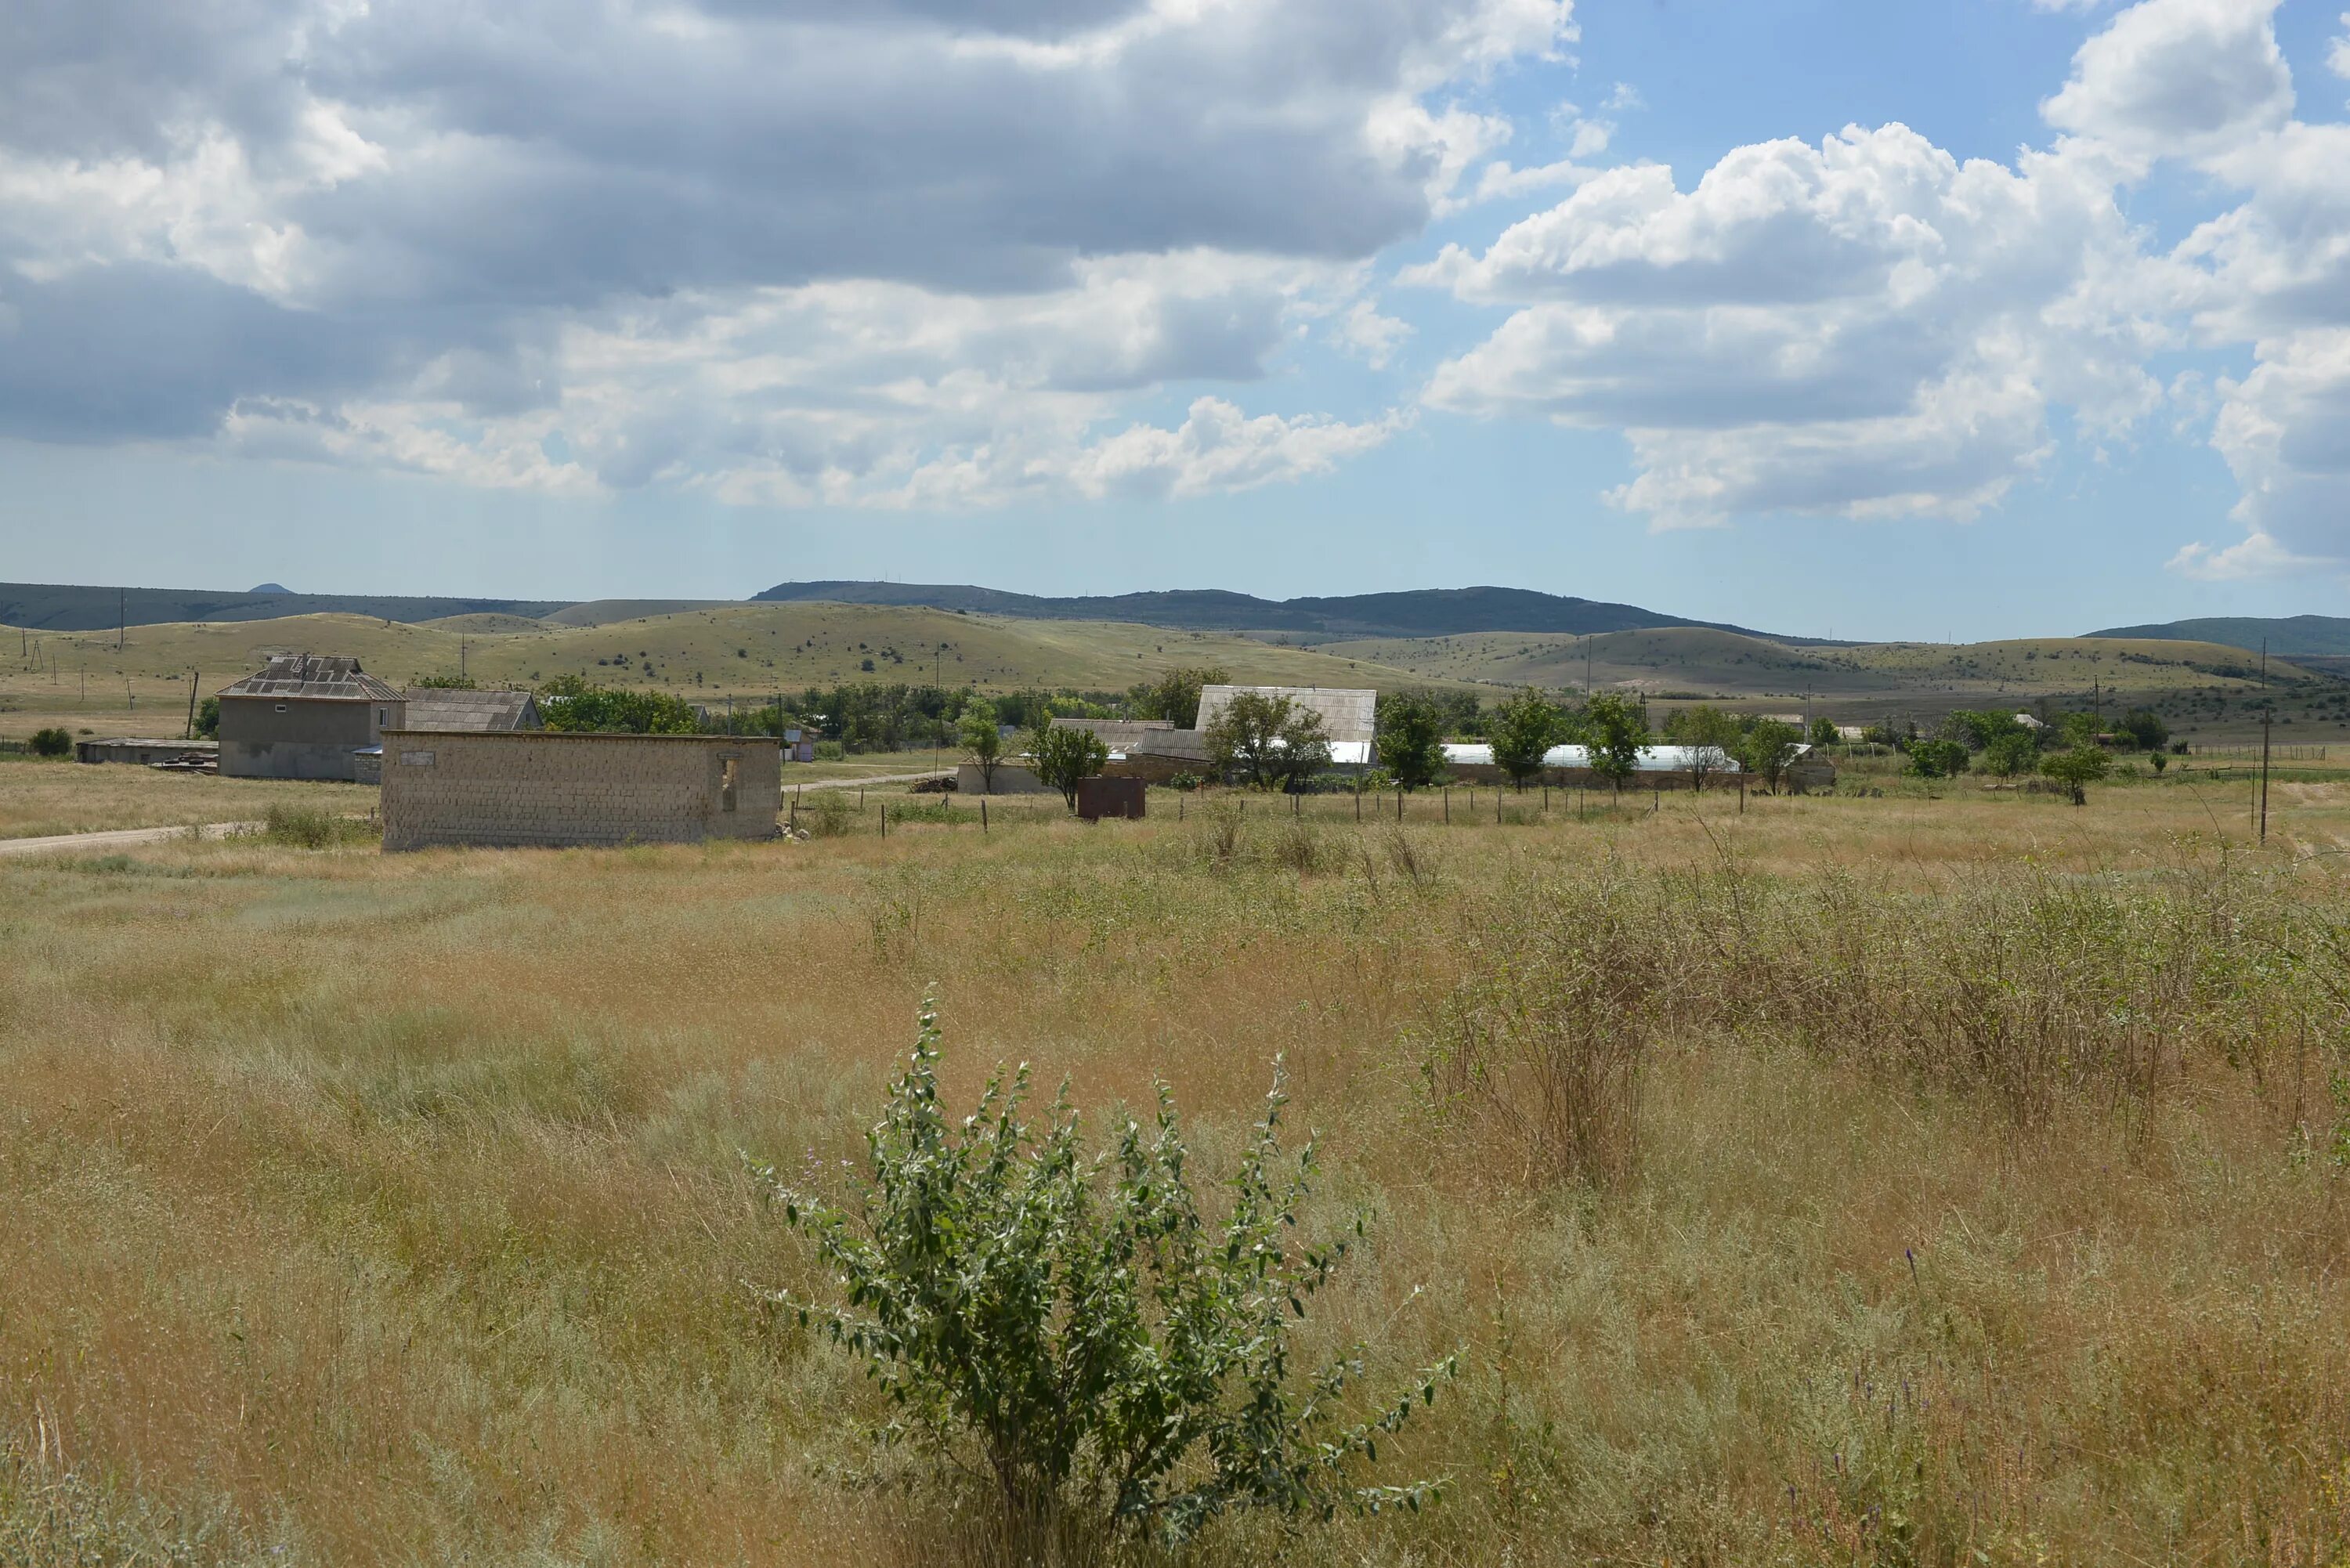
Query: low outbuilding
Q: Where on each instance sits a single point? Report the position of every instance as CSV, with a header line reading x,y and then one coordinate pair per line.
x,y
549,788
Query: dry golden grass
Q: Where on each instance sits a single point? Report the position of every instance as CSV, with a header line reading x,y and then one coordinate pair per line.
x,y
39,797
388,1209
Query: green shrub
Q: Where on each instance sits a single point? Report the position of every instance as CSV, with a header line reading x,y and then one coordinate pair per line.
x,y
1076,1332
829,752
51,742
308,827
1938,759
826,814
2014,753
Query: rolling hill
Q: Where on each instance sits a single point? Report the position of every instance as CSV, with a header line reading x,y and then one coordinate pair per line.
x,y
1422,612
2287,635
745,652
55,607
1733,666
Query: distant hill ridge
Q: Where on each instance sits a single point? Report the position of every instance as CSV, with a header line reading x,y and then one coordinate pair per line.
x,y
2289,635
1419,612
56,606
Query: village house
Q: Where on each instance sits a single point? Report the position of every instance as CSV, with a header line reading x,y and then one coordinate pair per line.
x,y
304,716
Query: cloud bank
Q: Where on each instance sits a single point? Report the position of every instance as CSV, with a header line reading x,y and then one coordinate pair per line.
x,y
916,250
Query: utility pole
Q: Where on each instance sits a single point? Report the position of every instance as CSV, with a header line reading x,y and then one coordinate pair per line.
x,y
192,678
123,634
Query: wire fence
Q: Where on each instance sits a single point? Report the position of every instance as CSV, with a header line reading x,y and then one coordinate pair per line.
x,y
2253,753
837,812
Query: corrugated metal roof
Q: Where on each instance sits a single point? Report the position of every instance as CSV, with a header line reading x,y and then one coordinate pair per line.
x,y
436,708
1348,713
310,675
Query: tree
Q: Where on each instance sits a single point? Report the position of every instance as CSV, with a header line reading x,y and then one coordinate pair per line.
x,y
208,719
2079,729
2017,751
1175,696
1077,1331
1767,749
51,741
1271,740
1522,730
2145,727
568,702
1064,756
1824,733
1615,728
1708,735
2076,768
1411,740
983,740
1303,751
1938,759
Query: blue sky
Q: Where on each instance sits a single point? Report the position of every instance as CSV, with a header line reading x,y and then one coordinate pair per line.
x,y
1949,318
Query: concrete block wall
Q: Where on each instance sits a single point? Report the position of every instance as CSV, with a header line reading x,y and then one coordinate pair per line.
x,y
522,788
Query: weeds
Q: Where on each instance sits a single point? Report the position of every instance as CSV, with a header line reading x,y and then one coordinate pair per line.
x,y
308,827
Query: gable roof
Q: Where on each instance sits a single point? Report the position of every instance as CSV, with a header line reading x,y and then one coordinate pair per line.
x,y
437,708
312,676
1348,713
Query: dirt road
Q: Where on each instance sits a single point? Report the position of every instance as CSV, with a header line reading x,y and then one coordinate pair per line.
x,y
121,838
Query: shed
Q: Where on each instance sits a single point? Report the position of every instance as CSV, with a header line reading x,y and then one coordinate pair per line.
x,y
127,749
304,716
1100,798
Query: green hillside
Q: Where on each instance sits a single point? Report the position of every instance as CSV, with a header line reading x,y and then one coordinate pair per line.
x,y
748,652
1674,660
2286,634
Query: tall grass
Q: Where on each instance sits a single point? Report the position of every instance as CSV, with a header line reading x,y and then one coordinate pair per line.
x,y
1859,1181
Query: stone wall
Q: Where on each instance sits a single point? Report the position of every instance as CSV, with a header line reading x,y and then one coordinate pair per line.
x,y
546,788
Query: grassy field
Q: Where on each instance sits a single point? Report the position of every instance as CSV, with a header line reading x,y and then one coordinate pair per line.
x,y
1968,1178
748,652
40,797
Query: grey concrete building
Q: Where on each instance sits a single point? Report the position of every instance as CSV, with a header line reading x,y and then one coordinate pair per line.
x,y
303,717
550,788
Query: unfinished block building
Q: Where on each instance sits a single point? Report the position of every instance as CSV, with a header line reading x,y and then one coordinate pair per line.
x,y
522,789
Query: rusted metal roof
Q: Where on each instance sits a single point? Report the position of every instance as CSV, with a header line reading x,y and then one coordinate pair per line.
x,y
437,708
315,677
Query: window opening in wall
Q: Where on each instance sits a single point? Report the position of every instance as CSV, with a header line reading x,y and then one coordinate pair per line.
x,y
380,717
726,781
281,707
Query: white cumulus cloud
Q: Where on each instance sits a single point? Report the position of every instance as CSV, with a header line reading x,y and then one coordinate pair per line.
x,y
1867,328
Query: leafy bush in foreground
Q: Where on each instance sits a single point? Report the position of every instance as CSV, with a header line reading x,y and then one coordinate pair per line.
x,y
1112,1359
51,742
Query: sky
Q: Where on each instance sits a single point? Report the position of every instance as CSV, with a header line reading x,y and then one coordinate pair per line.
x,y
1942,319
